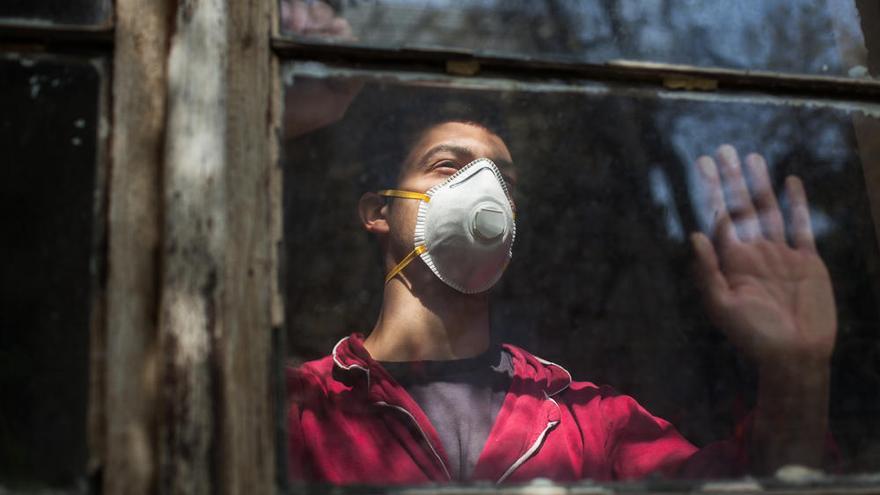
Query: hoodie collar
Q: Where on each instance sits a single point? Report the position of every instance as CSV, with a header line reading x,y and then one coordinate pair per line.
x,y
550,378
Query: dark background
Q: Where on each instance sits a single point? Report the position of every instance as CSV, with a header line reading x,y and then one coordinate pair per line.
x,y
600,281
48,151
58,11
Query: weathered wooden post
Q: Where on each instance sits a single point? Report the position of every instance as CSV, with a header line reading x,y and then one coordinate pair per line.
x,y
191,250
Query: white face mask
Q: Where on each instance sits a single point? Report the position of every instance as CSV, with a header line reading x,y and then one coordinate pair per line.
x,y
465,228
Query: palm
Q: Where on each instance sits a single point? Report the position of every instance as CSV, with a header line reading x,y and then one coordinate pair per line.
x,y
773,300
779,300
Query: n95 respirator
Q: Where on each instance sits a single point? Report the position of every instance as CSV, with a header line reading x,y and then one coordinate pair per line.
x,y
465,228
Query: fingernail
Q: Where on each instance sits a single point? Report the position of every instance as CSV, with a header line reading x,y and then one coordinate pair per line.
x,y
754,163
707,167
728,153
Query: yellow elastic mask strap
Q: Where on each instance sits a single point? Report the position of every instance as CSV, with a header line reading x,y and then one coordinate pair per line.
x,y
397,193
405,261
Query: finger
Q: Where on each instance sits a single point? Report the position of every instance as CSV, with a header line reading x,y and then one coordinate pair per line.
x,y
765,199
299,16
737,197
286,13
710,279
322,15
713,196
340,28
725,236
801,227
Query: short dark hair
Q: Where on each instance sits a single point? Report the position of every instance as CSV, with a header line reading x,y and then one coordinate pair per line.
x,y
392,137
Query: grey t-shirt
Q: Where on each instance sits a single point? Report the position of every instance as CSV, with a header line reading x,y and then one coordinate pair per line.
x,y
461,398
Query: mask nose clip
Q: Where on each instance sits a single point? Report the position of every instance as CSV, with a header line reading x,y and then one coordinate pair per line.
x,y
489,222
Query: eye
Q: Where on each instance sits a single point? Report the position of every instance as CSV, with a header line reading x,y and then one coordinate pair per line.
x,y
446,166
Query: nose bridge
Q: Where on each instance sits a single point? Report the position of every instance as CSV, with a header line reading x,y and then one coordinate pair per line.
x,y
481,172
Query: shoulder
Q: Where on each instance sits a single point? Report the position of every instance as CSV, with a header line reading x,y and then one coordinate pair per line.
x,y
608,401
582,397
310,378
598,400
557,382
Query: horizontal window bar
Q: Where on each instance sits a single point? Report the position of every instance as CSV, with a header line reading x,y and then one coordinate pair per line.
x,y
667,75
63,36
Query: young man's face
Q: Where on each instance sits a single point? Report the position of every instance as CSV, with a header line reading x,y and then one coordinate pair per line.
x,y
439,153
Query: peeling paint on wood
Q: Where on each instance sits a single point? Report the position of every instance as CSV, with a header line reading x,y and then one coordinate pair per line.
x,y
194,231
276,194
133,230
217,260
247,421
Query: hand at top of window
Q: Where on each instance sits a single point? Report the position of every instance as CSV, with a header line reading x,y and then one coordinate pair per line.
x,y
316,103
772,299
314,18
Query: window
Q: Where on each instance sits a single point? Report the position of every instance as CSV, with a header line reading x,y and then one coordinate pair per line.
x,y
54,143
608,190
183,188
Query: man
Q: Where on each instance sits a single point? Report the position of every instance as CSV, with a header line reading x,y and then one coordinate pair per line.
x,y
426,397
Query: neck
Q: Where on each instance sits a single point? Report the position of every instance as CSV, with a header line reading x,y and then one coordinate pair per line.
x,y
435,322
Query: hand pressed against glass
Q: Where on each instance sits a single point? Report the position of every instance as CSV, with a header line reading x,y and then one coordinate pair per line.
x,y
774,300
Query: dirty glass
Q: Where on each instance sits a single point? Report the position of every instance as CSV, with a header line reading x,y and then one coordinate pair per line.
x,y
801,36
607,191
49,140
70,12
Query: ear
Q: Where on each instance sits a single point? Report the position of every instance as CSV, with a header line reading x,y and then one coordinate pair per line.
x,y
373,212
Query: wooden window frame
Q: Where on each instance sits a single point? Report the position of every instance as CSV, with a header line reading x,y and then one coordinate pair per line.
x,y
186,393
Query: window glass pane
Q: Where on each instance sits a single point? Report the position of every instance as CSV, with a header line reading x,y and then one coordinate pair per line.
x,y
56,11
607,190
50,147
801,36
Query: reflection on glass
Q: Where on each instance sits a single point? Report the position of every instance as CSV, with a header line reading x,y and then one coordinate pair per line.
x,y
56,11
49,145
727,334
802,36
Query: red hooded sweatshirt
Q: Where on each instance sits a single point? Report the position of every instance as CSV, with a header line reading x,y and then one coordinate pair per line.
x,y
350,422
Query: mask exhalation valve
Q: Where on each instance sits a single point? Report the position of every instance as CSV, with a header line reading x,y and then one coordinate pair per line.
x,y
489,222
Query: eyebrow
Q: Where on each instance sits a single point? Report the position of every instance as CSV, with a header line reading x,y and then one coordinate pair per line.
x,y
462,150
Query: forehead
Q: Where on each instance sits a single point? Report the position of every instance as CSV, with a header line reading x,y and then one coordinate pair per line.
x,y
481,142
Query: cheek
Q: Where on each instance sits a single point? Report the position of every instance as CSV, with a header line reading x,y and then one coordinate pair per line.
x,y
402,221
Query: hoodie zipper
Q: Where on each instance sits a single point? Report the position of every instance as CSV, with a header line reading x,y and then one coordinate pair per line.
x,y
528,453
535,446
427,440
519,462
